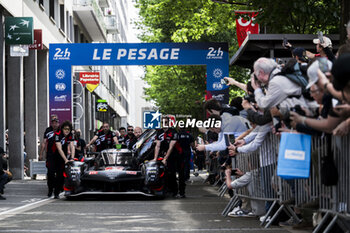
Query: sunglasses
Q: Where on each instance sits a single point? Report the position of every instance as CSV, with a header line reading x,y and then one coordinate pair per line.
x,y
65,128
130,130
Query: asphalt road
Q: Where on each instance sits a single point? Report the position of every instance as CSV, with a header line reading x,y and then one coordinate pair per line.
x,y
28,210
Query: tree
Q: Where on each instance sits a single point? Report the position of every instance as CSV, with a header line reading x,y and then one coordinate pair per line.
x,y
181,89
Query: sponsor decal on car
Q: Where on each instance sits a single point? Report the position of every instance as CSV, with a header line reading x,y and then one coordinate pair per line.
x,y
131,172
93,173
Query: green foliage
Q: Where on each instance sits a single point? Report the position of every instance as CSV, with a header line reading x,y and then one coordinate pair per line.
x,y
177,89
181,89
298,16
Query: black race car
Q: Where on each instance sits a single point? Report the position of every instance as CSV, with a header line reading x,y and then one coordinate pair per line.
x,y
118,171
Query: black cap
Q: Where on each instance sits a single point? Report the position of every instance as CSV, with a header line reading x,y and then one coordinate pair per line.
x,y
341,71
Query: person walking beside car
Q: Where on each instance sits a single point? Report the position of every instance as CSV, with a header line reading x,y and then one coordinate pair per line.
x,y
63,140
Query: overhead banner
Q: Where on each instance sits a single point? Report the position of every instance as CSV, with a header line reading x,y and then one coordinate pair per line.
x,y
19,30
245,24
63,56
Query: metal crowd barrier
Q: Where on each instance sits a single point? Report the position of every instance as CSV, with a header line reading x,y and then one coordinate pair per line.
x,y
334,201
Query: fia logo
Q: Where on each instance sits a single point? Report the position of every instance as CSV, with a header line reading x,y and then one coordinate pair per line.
x,y
61,54
60,86
215,54
151,119
217,86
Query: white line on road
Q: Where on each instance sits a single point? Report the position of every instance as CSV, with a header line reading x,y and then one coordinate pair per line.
x,y
12,212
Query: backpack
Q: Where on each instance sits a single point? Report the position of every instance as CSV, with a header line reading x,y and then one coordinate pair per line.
x,y
292,70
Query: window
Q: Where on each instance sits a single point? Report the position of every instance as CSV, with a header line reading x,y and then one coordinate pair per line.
x,y
52,9
62,16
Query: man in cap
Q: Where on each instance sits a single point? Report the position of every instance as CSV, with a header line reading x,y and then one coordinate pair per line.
x,y
324,49
48,143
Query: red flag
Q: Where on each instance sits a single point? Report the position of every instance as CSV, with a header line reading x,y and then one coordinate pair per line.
x,y
244,26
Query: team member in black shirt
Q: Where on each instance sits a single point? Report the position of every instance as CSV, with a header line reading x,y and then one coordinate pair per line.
x,y
137,133
106,137
63,140
129,137
168,148
186,142
122,134
79,144
48,143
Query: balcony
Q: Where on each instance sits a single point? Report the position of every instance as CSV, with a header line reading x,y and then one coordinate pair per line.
x,y
91,16
104,3
111,24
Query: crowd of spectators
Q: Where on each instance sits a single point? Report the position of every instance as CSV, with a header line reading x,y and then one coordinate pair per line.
x,y
310,93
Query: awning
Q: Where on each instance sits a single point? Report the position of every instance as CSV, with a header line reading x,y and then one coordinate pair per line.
x,y
270,45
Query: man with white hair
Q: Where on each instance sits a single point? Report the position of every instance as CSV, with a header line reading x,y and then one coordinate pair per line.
x,y
280,90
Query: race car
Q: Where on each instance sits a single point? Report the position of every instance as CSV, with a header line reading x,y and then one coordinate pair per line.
x,y
118,171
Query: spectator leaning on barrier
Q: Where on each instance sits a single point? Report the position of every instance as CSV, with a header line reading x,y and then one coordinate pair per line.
x,y
332,120
341,74
230,124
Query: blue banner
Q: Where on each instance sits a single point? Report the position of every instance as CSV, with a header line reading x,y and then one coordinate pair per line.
x,y
63,56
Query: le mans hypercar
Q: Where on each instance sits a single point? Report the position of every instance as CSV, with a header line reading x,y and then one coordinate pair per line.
x,y
118,171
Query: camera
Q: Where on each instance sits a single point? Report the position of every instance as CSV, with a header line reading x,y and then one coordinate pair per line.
x,y
322,64
250,98
298,110
285,41
277,123
224,81
320,37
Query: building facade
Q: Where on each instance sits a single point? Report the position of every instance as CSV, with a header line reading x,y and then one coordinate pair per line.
x,y
24,80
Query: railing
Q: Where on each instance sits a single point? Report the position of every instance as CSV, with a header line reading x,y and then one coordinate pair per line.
x,y
266,186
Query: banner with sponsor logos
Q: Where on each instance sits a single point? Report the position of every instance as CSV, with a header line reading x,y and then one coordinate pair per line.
x,y
63,56
245,25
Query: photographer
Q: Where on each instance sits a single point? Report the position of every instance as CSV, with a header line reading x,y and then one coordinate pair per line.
x,y
280,90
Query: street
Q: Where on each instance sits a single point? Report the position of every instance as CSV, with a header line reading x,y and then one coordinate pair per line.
x,y
28,210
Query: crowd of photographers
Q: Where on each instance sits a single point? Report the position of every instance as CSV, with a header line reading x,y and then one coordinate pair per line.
x,y
310,93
